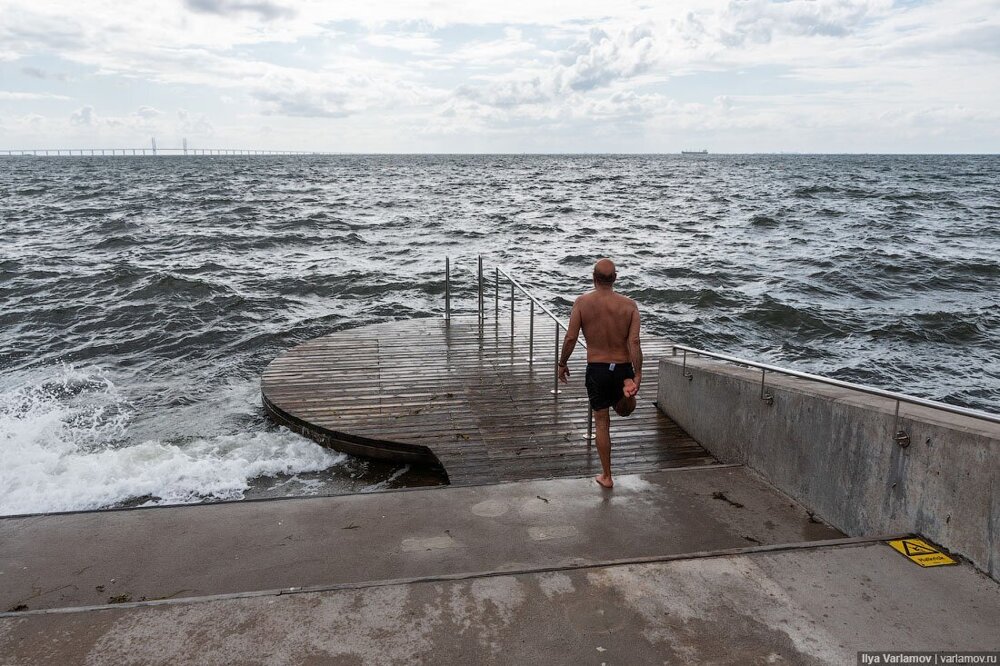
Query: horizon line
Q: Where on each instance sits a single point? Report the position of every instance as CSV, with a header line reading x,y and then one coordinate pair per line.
x,y
277,152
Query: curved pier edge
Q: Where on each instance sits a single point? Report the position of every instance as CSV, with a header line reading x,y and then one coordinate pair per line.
x,y
354,445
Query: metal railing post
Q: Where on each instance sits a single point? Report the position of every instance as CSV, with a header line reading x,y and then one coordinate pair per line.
x,y
496,298
447,289
555,385
899,436
764,394
512,313
531,335
480,294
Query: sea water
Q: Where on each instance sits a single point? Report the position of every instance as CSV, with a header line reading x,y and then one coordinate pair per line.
x,y
141,297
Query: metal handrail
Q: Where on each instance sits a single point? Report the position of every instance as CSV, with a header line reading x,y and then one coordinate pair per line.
x,y
901,437
534,300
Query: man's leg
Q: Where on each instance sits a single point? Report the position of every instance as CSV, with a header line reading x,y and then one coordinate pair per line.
x,y
602,421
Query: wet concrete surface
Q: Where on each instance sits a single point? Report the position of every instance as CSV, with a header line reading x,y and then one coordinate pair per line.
x,y
95,558
815,605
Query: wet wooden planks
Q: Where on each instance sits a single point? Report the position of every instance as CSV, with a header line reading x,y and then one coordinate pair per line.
x,y
466,398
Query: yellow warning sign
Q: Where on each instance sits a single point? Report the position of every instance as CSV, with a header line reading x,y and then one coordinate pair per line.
x,y
921,552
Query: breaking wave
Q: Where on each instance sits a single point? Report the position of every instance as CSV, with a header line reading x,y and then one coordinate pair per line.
x,y
65,444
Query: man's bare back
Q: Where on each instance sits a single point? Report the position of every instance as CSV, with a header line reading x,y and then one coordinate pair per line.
x,y
610,322
605,318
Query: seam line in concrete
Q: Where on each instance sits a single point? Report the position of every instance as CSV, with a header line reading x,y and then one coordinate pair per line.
x,y
847,542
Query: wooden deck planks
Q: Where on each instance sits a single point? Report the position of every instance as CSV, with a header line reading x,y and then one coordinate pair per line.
x,y
424,390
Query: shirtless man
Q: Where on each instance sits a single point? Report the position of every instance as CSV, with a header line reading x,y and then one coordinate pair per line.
x,y
610,323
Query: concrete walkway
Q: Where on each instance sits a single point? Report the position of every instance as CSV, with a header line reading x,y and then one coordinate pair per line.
x,y
814,606
706,565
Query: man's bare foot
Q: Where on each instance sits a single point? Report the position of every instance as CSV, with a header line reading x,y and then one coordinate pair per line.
x,y
604,481
625,406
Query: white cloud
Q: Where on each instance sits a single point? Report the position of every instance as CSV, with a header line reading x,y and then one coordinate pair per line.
x,y
510,93
415,43
511,49
601,59
148,112
13,96
595,61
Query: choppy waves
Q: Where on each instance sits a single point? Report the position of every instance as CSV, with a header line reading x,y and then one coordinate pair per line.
x,y
169,283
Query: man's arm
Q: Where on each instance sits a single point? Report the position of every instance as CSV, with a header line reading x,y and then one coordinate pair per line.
x,y
634,348
569,343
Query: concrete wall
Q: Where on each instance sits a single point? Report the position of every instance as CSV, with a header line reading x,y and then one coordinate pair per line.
x,y
832,449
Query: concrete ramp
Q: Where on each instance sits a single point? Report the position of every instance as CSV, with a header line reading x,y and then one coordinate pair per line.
x,y
93,558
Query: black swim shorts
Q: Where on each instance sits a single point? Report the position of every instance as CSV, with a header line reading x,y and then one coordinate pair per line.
x,y
605,383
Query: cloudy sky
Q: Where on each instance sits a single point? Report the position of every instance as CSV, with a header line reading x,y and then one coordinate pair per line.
x,y
503,76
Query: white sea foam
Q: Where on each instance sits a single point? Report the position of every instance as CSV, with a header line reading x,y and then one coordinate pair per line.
x,y
65,445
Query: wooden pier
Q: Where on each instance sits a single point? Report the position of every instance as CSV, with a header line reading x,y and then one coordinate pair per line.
x,y
464,396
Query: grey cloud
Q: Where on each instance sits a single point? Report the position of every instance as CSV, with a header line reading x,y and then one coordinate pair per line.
x,y
979,38
268,11
38,73
27,33
939,116
194,124
306,105
83,117
760,21
582,47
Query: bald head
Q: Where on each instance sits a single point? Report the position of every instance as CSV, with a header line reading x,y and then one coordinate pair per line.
x,y
604,272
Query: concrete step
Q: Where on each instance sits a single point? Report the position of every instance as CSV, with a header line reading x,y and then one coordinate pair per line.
x,y
93,558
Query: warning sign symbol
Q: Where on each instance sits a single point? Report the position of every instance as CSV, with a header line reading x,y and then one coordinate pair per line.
x,y
921,552
916,548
